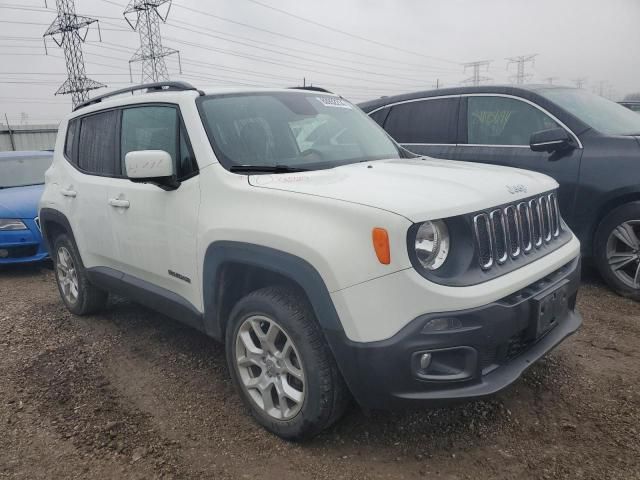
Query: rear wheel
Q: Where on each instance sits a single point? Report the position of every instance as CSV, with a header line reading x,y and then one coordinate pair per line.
x,y
78,294
617,250
281,364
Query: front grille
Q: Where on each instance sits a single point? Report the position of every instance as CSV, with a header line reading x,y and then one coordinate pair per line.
x,y
497,354
516,229
516,345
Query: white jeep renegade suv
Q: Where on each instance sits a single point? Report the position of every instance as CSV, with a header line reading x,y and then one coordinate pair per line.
x,y
332,263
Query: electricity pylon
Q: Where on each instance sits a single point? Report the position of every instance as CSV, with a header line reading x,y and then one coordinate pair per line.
x,y
580,82
521,61
476,78
69,31
151,52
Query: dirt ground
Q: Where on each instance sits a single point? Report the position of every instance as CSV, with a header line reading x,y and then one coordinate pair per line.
x,y
131,394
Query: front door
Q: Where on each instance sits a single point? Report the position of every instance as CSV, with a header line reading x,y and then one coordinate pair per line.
x,y
496,129
157,229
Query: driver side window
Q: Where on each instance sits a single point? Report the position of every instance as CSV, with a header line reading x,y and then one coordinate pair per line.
x,y
504,121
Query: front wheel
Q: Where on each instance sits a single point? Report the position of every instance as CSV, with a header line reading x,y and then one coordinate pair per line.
x,y
617,250
281,364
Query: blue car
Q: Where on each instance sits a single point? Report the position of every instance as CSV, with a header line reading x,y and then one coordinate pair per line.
x,y
21,186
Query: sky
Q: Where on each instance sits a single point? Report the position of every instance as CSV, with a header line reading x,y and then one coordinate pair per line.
x,y
361,49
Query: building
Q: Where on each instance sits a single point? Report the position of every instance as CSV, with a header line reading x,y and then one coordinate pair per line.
x,y
27,137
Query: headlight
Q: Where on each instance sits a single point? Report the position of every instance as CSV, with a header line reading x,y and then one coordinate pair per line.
x,y
432,244
11,224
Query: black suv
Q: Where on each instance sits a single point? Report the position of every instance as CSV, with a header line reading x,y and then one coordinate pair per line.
x,y
590,145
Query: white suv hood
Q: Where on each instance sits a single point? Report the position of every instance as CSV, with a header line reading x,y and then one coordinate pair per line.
x,y
418,188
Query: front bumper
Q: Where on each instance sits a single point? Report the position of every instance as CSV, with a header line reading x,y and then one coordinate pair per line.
x,y
22,246
488,349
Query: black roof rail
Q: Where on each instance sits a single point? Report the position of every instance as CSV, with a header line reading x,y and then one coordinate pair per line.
x,y
312,89
157,86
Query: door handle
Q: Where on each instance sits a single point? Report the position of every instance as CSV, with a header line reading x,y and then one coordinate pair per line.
x,y
69,193
119,203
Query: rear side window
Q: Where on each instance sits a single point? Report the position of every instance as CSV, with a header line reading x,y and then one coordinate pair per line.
x,y
71,142
424,121
97,148
504,121
157,128
380,116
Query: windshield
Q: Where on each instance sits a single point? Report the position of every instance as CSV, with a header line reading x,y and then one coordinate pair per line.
x,y
292,129
20,171
604,115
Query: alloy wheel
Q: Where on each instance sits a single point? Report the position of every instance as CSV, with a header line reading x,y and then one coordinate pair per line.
x,y
67,275
269,367
623,253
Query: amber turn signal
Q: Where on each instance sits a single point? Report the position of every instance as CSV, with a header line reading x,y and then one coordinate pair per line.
x,y
380,239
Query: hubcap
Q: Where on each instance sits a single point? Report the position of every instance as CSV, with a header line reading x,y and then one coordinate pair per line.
x,y
67,275
623,253
269,367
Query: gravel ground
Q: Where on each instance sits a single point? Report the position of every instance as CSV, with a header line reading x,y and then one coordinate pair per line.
x,y
131,394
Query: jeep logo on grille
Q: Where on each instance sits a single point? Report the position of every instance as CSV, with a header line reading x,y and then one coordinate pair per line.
x,y
519,188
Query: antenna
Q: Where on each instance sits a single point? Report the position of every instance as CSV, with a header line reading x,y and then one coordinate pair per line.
x,y
69,31
151,52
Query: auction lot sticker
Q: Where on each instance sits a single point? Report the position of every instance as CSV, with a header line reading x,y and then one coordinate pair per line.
x,y
336,102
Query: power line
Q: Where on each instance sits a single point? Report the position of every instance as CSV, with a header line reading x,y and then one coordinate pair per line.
x,y
298,65
290,65
261,46
352,35
290,79
12,22
261,43
290,37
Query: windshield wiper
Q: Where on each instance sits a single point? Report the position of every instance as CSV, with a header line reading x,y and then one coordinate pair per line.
x,y
267,168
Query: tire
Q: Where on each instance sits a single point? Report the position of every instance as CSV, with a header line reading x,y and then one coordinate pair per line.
x,y
324,395
616,250
88,299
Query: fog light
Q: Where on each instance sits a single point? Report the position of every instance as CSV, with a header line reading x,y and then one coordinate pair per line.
x,y
446,364
4,253
441,324
425,361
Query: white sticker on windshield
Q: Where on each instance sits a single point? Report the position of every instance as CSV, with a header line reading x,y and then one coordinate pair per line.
x,y
333,102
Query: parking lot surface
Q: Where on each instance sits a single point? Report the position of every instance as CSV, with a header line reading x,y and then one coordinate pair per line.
x,y
129,393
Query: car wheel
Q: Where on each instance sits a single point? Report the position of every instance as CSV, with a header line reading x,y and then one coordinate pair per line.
x,y
617,250
78,294
281,364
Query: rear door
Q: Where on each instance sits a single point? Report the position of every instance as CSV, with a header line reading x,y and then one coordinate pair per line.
x,y
92,155
424,126
496,129
156,229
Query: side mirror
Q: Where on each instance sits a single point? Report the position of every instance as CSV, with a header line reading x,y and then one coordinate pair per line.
x,y
553,140
151,166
